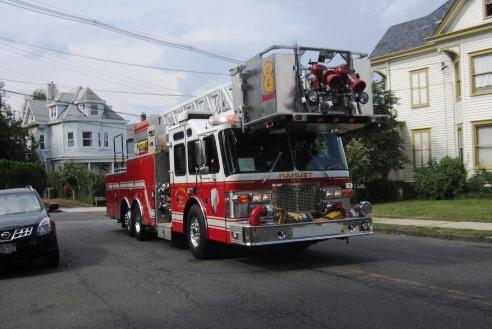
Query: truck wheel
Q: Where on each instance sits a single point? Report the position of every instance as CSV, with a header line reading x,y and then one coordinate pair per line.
x,y
140,232
126,219
196,235
130,223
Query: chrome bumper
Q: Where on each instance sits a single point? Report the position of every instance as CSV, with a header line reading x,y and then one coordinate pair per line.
x,y
246,235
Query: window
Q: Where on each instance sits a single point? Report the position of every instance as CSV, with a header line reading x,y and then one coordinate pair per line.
x,y
70,139
483,144
87,138
419,88
179,160
460,142
94,110
254,151
488,8
421,147
212,158
53,112
99,139
106,140
481,72
192,165
41,142
457,78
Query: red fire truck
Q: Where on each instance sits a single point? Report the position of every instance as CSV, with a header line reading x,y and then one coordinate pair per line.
x,y
259,162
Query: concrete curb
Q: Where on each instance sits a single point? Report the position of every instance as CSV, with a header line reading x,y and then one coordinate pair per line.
x,y
83,209
443,236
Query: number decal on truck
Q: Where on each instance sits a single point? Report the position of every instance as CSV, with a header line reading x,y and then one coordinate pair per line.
x,y
268,81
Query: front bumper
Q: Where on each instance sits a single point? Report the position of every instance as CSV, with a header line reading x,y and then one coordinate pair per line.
x,y
246,235
30,247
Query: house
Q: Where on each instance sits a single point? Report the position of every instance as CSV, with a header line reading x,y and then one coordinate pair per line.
x,y
74,126
440,68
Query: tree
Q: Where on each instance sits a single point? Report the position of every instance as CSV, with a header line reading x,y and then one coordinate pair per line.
x,y
13,137
381,144
39,95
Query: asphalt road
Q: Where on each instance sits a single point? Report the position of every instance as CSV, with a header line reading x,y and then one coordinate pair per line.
x,y
108,280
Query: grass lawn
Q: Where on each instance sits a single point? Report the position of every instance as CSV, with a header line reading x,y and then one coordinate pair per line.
x,y
473,210
420,230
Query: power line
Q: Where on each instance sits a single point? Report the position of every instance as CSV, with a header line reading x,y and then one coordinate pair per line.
x,y
63,102
106,60
102,90
73,68
136,35
124,80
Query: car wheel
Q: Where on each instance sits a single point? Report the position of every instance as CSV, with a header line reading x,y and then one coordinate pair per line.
x,y
196,235
140,231
52,259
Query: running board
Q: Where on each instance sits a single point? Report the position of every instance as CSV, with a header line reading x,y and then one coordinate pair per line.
x,y
164,231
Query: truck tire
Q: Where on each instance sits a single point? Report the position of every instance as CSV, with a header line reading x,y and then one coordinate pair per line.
x,y
140,231
130,223
196,235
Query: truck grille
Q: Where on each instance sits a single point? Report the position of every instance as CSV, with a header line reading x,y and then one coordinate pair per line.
x,y
15,234
296,197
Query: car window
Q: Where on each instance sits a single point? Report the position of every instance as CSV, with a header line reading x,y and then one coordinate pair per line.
x,y
18,203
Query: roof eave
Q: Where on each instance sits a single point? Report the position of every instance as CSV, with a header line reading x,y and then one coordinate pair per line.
x,y
403,53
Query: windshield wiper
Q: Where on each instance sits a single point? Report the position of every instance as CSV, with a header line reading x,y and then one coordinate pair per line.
x,y
333,167
273,167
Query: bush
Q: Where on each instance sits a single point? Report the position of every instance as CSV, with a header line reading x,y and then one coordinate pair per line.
x,y
379,191
480,183
441,180
21,174
76,180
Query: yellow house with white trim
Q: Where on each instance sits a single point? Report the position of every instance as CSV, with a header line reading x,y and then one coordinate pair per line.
x,y
440,68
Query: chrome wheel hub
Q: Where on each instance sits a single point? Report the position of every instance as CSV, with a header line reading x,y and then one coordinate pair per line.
x,y
194,232
128,219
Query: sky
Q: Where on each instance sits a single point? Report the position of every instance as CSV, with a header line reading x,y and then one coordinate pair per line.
x,y
238,29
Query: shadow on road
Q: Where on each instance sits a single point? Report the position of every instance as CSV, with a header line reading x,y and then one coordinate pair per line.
x,y
69,261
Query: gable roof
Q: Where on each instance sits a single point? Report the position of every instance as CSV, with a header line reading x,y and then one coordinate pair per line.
x,y
39,110
411,34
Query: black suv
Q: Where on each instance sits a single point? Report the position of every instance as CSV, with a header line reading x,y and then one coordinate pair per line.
x,y
26,229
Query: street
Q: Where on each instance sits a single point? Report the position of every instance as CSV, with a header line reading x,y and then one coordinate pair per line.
x,y
109,280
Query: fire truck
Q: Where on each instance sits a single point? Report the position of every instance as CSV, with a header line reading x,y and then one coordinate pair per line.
x,y
255,163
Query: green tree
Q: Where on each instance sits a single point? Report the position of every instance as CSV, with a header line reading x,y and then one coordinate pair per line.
x,y
13,137
76,180
381,145
38,95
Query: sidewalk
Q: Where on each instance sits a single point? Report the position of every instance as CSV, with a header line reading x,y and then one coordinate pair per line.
x,y
84,209
479,226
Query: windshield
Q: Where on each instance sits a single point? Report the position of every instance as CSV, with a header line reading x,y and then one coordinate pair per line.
x,y
257,151
253,152
18,203
317,151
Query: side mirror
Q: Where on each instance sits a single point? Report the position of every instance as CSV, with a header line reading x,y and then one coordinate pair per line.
x,y
53,207
204,170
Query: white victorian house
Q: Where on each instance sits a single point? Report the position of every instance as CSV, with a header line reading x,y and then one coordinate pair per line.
x,y
74,126
440,68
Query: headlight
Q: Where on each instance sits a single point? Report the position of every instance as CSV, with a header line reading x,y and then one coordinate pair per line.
x,y
44,226
329,193
261,197
241,203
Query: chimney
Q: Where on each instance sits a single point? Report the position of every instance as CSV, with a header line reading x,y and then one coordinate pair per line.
x,y
51,91
143,116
